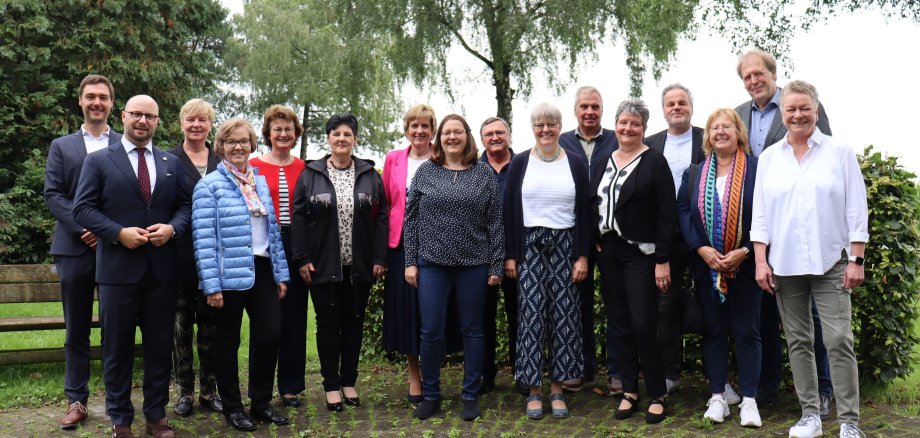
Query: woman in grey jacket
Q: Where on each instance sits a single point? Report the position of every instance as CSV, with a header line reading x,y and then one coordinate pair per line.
x,y
241,265
339,240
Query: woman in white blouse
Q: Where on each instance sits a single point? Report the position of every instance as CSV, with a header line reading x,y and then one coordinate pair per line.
x,y
810,210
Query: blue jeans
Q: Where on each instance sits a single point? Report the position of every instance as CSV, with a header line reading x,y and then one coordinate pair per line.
x,y
434,284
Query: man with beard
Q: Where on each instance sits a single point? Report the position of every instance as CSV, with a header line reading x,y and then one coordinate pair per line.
x,y
133,198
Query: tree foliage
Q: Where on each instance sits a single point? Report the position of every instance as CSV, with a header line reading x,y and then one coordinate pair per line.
x,y
169,49
295,52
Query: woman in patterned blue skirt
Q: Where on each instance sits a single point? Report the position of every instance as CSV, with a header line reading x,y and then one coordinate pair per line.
x,y
547,223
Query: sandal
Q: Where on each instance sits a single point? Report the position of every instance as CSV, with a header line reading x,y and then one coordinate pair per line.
x,y
622,414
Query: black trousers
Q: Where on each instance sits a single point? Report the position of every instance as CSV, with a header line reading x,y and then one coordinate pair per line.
x,y
292,348
629,286
191,309
262,305
77,275
670,310
339,310
150,304
509,288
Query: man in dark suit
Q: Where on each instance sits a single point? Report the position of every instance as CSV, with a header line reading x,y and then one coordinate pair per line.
x,y
682,145
133,198
594,144
72,245
761,115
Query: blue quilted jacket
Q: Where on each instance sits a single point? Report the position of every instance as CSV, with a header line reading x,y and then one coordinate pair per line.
x,y
223,237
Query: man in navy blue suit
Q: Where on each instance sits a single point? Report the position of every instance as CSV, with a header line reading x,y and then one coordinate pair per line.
x,y
72,245
132,197
594,144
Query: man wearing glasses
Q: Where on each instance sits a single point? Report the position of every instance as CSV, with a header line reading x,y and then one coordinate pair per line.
x,y
133,198
593,144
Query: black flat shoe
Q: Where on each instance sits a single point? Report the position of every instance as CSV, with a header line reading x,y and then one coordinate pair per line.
x,y
240,421
335,407
651,418
426,409
268,415
353,401
622,414
183,406
293,402
212,402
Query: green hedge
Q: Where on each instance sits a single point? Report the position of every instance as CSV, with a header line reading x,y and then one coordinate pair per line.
x,y
884,308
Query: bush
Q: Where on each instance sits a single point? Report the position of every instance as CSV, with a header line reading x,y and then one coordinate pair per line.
x,y
885,307
25,223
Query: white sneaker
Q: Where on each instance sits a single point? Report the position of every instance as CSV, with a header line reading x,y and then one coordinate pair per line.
x,y
850,430
730,395
717,410
809,426
750,416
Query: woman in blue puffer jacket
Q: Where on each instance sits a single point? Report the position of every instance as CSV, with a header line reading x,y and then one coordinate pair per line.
x,y
241,265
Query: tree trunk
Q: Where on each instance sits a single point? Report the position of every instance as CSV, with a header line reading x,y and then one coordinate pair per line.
x,y
303,137
504,94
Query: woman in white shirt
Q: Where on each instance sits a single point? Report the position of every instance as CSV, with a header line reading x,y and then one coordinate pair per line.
x,y
548,239
810,210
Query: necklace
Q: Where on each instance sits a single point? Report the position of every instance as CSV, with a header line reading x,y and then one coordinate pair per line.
x,y
343,168
289,160
536,150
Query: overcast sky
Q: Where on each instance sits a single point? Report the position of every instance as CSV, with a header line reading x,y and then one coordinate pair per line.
x,y
861,65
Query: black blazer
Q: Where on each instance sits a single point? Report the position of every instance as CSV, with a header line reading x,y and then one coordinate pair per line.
x,y
645,211
514,211
184,249
109,198
65,161
606,144
691,225
656,142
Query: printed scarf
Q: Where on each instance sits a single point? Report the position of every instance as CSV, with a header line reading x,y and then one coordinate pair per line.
x,y
247,184
722,217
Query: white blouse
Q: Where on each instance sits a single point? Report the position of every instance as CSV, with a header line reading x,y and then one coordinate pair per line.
x,y
548,194
808,212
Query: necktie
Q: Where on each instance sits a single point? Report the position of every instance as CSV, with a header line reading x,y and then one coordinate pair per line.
x,y
143,177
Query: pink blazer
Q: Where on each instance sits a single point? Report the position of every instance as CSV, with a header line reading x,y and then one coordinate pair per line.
x,y
395,169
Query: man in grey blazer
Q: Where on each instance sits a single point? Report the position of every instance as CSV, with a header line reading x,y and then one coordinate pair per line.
x,y
682,145
761,115
72,246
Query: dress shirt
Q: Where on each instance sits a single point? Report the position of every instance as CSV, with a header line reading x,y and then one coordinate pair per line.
x,y
808,212
588,143
678,150
94,144
760,123
151,163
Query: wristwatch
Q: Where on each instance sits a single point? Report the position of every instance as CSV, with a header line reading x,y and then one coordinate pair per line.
x,y
856,259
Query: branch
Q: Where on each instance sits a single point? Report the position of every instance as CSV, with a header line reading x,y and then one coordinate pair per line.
x,y
443,20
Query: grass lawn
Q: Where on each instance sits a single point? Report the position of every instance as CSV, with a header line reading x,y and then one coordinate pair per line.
x,y
42,384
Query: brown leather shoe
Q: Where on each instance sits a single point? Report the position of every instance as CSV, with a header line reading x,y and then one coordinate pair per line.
x,y
121,432
160,429
76,413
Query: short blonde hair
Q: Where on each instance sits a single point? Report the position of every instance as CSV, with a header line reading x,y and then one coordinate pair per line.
x,y
229,126
419,111
196,107
743,142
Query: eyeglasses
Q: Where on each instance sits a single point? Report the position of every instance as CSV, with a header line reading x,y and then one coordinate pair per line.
x,y
456,133
137,116
491,134
282,130
244,143
541,126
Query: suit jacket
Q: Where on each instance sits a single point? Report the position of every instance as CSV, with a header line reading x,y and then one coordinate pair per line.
x,y
65,161
656,142
777,130
185,249
395,171
645,211
691,224
606,144
109,198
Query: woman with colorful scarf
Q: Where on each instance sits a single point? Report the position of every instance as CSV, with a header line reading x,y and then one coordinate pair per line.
x,y
714,205
241,265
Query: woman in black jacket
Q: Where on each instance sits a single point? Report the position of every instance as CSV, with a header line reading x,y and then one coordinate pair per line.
x,y
637,219
339,233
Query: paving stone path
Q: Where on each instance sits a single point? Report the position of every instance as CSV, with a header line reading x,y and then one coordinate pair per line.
x,y
385,413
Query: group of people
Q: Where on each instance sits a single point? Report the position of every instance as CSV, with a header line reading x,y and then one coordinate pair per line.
x,y
763,210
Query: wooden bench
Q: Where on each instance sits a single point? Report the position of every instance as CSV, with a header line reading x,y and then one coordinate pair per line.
x,y
36,284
